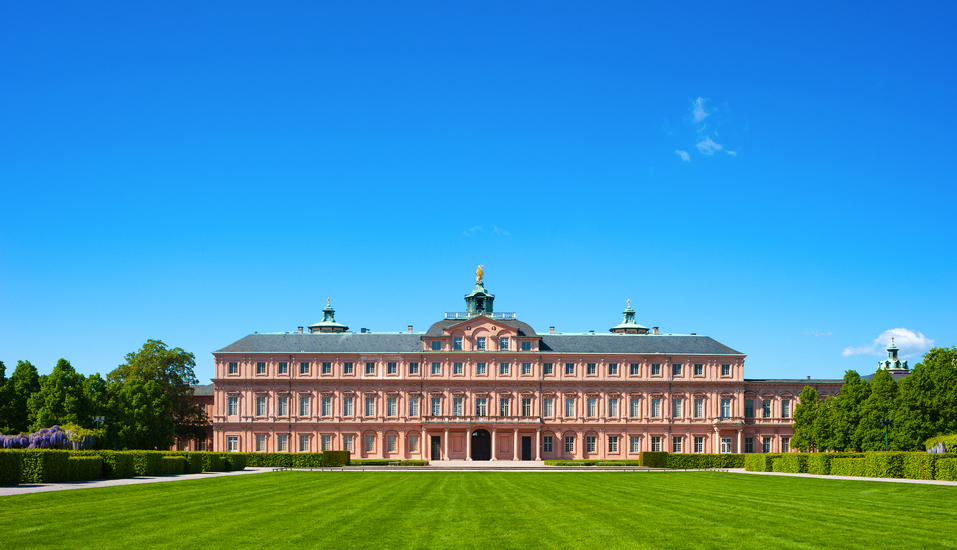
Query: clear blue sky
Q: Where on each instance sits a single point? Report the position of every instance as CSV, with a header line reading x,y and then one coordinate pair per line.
x,y
778,176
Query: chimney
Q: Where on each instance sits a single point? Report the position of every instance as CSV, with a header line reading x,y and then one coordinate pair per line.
x,y
694,333
551,330
300,330
654,330
410,329
363,330
808,377
592,332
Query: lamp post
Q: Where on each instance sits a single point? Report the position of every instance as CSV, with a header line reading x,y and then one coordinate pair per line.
x,y
887,423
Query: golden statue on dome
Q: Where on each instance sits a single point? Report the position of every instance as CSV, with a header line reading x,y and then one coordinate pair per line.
x,y
479,274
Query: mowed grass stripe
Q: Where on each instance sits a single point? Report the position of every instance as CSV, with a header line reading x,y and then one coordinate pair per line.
x,y
488,510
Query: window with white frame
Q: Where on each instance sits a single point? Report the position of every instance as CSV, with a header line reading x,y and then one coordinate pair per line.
x,y
785,409
327,368
480,368
326,442
725,445
590,444
569,407
613,407
304,406
390,442
655,407
592,407
749,408
370,406
676,444
749,444
656,369
304,368
503,369
283,406
503,343
370,368
569,369
634,444
676,369
260,443
232,444
766,408
547,444
591,368
526,368
413,368
233,367
635,369
569,444
698,369
526,346
348,368
526,406
503,406
260,405
326,406
698,407
303,443
725,408
370,443
283,368
282,443
436,368
613,369
699,444
481,406
655,444
635,407
548,407
725,370
347,408
413,443
480,343
457,343
392,368
785,444
347,444
766,445
613,444
457,406
548,368
436,345
413,406
676,407
457,368
436,406
260,368
391,406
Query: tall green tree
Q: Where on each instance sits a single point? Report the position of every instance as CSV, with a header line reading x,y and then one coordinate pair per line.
x,y
823,432
61,399
927,399
805,418
139,416
14,411
880,404
845,416
6,402
172,371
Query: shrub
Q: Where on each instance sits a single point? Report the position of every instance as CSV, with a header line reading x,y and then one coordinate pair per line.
x,y
45,466
946,469
777,465
85,468
710,460
309,460
147,463
11,467
919,465
884,464
331,459
651,459
820,463
271,460
943,443
795,463
761,462
117,464
173,465
414,462
235,462
212,462
848,467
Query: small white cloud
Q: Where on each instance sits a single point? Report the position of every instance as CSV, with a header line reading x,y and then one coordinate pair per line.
x,y
472,231
684,155
733,153
909,342
697,109
817,333
498,231
708,147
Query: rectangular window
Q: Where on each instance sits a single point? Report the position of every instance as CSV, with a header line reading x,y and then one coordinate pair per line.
x,y
304,407
260,406
676,369
370,406
526,346
612,407
503,343
413,406
457,406
655,408
391,406
413,368
590,444
326,442
656,369
437,368
481,406
635,407
326,406
592,407
725,408
569,444
785,409
303,443
548,368
303,368
634,444
725,445
635,369
390,443
456,368
569,408
766,445
503,406
749,444
260,443
283,406
347,444
613,369
413,443
749,408
436,406
370,444
503,369
260,368
392,368
233,368
283,368
282,443
699,444
655,444
479,368
569,369
526,368
327,368
347,368
547,444
698,369
785,444
526,406
766,408
457,343
592,368
480,343
613,444
725,370
676,444
232,444
698,408
436,345
370,368
347,409
548,405
676,407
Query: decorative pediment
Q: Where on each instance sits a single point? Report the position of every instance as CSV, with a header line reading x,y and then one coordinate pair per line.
x,y
493,326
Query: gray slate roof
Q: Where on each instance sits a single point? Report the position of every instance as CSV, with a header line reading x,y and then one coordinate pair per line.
x,y
203,389
372,342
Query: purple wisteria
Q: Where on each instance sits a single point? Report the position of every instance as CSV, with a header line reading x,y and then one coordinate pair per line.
x,y
47,438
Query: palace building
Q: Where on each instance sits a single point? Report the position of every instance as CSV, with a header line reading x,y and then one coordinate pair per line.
x,y
482,385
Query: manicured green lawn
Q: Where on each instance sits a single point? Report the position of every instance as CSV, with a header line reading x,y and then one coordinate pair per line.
x,y
487,510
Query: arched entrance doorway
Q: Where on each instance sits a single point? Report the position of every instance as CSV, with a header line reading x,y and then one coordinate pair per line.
x,y
481,445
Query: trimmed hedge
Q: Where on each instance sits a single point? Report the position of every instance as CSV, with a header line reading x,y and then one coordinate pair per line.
x,y
235,462
761,462
820,463
85,468
919,465
117,464
794,463
651,459
332,459
173,465
45,466
946,469
848,467
709,460
592,463
885,464
11,467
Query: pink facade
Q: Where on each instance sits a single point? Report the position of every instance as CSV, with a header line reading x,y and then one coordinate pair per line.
x,y
481,385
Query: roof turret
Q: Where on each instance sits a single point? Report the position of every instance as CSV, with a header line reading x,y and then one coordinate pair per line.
x,y
628,325
328,323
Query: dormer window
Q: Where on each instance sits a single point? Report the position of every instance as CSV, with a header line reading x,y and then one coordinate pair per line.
x,y
526,346
436,345
480,343
457,343
503,343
